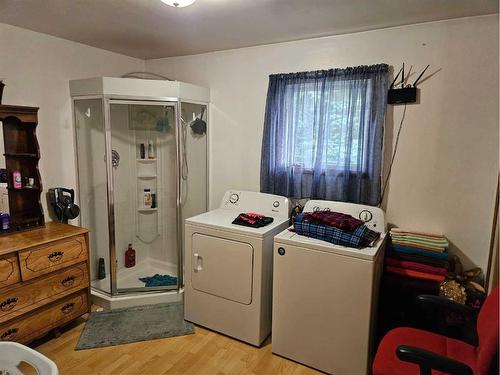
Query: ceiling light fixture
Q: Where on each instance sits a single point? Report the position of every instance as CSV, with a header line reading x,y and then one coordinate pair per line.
x,y
178,3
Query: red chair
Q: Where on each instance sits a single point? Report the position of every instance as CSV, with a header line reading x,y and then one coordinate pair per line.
x,y
409,351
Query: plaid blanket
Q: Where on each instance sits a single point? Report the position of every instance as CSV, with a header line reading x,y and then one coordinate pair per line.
x,y
333,219
359,237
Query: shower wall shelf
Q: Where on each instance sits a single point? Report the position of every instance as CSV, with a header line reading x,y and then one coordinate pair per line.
x,y
147,161
147,178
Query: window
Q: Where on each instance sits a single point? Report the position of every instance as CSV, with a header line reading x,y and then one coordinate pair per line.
x,y
328,125
339,147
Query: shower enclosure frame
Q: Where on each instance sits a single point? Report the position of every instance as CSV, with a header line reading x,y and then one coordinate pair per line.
x,y
171,102
176,103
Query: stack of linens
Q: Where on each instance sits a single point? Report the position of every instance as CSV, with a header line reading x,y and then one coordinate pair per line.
x,y
417,255
336,228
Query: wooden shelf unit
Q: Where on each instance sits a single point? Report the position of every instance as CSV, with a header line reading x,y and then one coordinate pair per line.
x,y
22,154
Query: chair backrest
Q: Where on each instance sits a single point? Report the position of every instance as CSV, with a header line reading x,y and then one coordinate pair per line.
x,y
487,331
12,354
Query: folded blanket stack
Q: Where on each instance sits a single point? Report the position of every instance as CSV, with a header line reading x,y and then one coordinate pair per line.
x,y
336,228
417,255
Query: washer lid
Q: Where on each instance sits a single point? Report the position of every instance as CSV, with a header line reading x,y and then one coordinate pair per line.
x,y
222,219
294,239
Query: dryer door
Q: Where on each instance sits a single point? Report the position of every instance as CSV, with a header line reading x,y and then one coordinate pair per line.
x,y
222,267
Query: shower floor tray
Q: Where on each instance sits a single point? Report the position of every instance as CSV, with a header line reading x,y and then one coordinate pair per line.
x,y
129,277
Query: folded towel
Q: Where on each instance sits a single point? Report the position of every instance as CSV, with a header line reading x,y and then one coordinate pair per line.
x,y
423,259
409,286
415,274
418,245
421,240
414,250
253,220
415,266
441,239
415,233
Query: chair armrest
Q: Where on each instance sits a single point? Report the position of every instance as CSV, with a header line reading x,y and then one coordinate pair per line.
x,y
428,361
441,303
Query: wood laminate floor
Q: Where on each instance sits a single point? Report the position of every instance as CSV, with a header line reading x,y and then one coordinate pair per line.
x,y
205,352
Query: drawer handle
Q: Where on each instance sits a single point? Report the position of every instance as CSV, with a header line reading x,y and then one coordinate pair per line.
x,y
56,256
8,304
9,334
68,281
67,308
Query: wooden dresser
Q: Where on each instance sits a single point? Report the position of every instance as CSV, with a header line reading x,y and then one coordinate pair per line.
x,y
44,280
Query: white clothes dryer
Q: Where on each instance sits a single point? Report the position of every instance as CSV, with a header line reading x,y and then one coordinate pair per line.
x,y
228,267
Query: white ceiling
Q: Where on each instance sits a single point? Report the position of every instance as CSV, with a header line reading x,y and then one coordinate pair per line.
x,y
149,29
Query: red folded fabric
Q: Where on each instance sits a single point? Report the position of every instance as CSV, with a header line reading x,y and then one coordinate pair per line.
x,y
334,219
250,217
414,274
415,266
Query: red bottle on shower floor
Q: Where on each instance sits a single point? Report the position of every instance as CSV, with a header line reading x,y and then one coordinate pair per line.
x,y
130,257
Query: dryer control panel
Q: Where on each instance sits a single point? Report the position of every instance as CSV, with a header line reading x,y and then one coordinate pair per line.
x,y
250,201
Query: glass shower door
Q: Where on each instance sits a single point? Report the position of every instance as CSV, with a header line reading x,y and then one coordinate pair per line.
x,y
92,187
143,148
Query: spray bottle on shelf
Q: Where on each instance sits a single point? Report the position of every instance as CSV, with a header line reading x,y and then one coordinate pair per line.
x,y
130,257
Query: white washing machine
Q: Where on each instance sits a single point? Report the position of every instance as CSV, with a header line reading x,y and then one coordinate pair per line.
x,y
228,267
324,295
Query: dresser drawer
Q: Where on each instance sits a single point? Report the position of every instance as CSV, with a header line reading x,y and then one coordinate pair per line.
x,y
41,260
22,298
9,270
34,325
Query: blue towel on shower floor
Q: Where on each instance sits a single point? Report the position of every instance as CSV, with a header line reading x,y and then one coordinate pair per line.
x,y
159,280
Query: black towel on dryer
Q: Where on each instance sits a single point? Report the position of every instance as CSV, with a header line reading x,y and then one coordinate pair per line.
x,y
253,220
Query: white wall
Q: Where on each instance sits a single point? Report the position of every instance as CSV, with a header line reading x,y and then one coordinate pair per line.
x,y
444,177
36,69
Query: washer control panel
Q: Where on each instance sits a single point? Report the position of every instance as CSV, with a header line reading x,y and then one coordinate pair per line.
x,y
365,216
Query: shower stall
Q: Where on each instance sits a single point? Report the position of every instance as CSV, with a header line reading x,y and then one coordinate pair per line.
x,y
142,160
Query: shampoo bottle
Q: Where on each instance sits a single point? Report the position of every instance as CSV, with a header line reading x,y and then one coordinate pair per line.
x,y
101,271
147,199
17,180
151,151
130,257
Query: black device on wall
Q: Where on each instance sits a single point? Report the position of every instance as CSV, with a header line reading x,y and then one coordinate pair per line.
x,y
404,94
62,201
